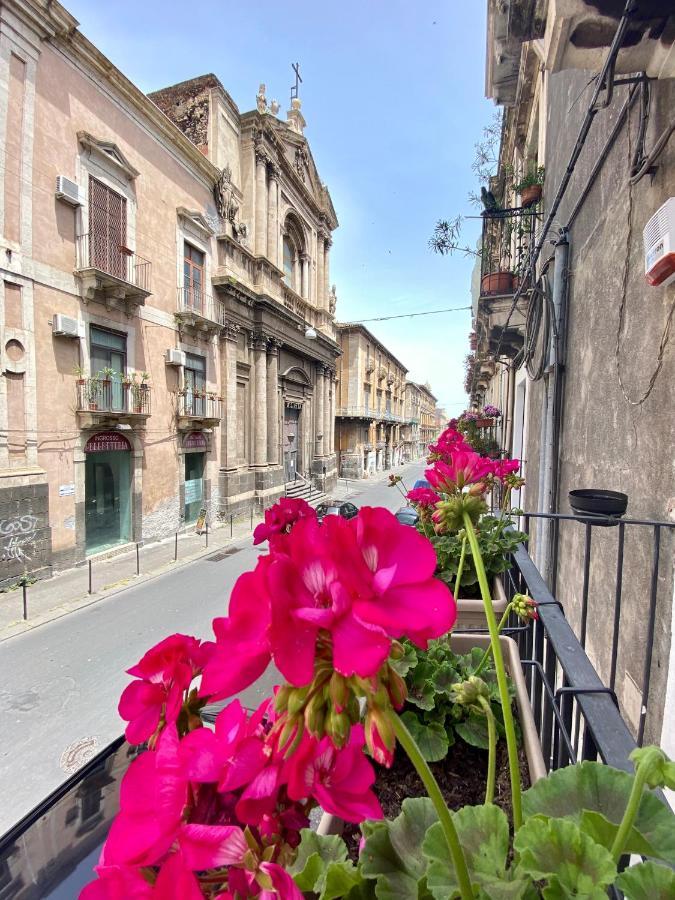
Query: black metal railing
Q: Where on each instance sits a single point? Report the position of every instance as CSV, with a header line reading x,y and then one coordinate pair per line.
x,y
113,395
96,251
507,238
199,405
192,299
594,561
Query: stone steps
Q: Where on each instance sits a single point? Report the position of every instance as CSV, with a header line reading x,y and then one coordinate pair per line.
x,y
303,490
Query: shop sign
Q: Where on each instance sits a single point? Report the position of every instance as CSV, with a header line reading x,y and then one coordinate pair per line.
x,y
105,441
66,490
193,490
201,521
195,441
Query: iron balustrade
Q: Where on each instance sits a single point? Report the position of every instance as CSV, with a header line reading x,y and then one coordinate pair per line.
x,y
198,405
507,238
357,412
613,539
191,299
95,251
113,396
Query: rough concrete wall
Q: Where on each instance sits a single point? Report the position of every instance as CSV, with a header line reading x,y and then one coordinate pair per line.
x,y
187,105
25,535
612,435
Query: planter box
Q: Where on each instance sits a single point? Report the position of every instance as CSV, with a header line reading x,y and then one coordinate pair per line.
x,y
471,612
497,283
485,423
463,643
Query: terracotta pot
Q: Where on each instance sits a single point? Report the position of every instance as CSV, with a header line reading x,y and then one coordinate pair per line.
x,y
497,283
93,406
484,423
463,643
530,195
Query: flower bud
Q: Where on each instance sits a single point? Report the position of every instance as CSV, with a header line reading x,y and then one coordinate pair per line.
x,y
524,607
315,714
380,737
282,697
397,650
296,700
397,689
339,691
338,727
466,693
287,732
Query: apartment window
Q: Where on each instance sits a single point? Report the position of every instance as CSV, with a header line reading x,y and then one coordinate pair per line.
x,y
107,229
289,262
108,350
195,384
193,277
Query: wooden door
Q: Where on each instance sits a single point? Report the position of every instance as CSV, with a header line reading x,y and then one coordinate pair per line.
x,y
107,230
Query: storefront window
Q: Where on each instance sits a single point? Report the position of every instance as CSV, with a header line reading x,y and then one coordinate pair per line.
x,y
194,485
107,499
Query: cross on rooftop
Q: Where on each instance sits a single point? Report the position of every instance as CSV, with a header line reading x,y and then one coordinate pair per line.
x,y
298,78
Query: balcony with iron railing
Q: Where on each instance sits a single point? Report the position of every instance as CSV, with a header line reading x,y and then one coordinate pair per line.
x,y
112,400
357,412
507,239
197,311
110,272
198,409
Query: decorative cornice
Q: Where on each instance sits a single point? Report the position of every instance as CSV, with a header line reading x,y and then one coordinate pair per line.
x,y
258,341
230,331
109,152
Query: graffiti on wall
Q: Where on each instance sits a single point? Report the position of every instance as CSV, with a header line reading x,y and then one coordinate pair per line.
x,y
17,538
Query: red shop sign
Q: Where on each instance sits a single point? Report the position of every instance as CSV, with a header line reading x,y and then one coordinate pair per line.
x,y
195,441
105,441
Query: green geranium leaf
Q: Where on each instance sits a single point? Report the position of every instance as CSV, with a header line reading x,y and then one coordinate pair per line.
x,y
590,787
444,677
422,696
340,879
558,851
408,661
647,881
474,731
315,854
431,738
392,854
484,835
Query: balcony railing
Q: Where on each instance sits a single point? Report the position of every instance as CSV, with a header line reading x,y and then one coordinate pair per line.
x,y
199,405
357,412
113,397
508,235
197,306
97,253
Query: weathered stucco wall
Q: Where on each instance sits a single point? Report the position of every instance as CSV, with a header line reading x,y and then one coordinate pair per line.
x,y
612,435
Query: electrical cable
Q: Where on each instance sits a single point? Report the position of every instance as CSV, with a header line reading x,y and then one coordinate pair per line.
x,y
430,312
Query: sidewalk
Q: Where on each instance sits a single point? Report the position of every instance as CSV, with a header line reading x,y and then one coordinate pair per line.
x,y
68,590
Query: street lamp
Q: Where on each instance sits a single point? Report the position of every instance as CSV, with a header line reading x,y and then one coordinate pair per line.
x,y
310,333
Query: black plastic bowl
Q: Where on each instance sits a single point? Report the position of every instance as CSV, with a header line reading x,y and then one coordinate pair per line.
x,y
594,502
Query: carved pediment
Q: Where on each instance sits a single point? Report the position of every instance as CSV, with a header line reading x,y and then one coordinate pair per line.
x,y
108,151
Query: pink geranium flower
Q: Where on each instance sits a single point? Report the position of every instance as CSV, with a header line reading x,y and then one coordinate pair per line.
x,y
423,497
505,467
281,517
466,467
165,673
339,780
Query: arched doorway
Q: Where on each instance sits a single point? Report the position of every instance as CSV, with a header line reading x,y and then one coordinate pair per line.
x,y
107,498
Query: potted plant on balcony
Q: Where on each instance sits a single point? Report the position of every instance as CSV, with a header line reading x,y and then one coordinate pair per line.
x,y
530,186
79,373
93,391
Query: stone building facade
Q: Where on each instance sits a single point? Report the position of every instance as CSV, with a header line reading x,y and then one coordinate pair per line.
x,y
370,410
597,411
166,318
429,429
413,448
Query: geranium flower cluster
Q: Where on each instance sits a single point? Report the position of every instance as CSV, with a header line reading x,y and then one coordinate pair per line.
x,y
492,412
217,813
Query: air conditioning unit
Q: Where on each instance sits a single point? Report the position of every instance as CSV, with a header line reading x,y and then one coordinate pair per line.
x,y
659,243
67,326
175,357
68,191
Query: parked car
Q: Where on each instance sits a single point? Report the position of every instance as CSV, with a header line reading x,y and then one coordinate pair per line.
x,y
421,482
336,508
406,515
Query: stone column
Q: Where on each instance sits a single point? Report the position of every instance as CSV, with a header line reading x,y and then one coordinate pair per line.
x,y
319,299
260,202
259,344
327,422
273,402
304,280
273,216
319,418
326,272
332,412
228,380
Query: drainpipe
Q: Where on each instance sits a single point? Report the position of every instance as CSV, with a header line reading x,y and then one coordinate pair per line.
x,y
510,408
548,453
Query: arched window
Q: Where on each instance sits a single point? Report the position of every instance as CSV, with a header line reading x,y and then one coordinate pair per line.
x,y
289,256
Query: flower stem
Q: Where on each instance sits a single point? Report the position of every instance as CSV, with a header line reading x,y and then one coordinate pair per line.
x,y
631,811
460,567
488,651
502,684
492,749
445,818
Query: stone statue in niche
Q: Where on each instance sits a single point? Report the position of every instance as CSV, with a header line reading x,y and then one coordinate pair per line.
x,y
332,301
301,163
261,101
226,203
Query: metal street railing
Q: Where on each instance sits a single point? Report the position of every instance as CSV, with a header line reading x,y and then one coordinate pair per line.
x,y
192,299
199,405
113,395
96,251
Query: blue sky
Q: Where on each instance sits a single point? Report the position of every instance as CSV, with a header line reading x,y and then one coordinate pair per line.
x,y
393,98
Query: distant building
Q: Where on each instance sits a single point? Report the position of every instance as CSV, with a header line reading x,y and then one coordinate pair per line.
x,y
166,311
370,404
412,441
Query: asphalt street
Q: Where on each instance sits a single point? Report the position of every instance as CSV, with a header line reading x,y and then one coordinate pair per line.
x,y
60,682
